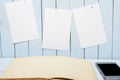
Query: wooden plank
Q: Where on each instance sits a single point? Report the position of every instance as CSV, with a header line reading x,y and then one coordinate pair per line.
x,y
6,40
63,4
105,50
35,46
47,4
4,63
21,49
0,44
1,73
91,52
76,51
116,30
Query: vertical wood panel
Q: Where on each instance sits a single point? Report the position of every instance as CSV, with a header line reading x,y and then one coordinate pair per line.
x,y
116,30
4,63
21,49
35,46
76,51
63,4
48,4
91,52
1,73
6,40
0,42
105,50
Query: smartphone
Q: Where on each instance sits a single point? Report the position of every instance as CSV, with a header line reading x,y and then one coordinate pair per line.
x,y
109,70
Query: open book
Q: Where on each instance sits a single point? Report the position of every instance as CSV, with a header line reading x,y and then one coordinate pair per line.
x,y
49,68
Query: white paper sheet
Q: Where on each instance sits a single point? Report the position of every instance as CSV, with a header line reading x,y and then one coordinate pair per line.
x,y
89,25
56,30
22,20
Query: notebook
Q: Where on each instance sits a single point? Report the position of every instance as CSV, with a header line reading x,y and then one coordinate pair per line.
x,y
50,67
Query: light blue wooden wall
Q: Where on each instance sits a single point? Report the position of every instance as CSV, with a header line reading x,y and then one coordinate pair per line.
x,y
110,10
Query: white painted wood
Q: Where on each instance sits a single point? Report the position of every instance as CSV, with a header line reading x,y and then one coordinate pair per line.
x,y
4,62
1,73
76,51
110,12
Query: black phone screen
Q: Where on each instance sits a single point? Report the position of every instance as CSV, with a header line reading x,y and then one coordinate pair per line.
x,y
109,69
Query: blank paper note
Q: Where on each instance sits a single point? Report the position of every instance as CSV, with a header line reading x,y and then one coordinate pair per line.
x,y
56,29
89,25
22,21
